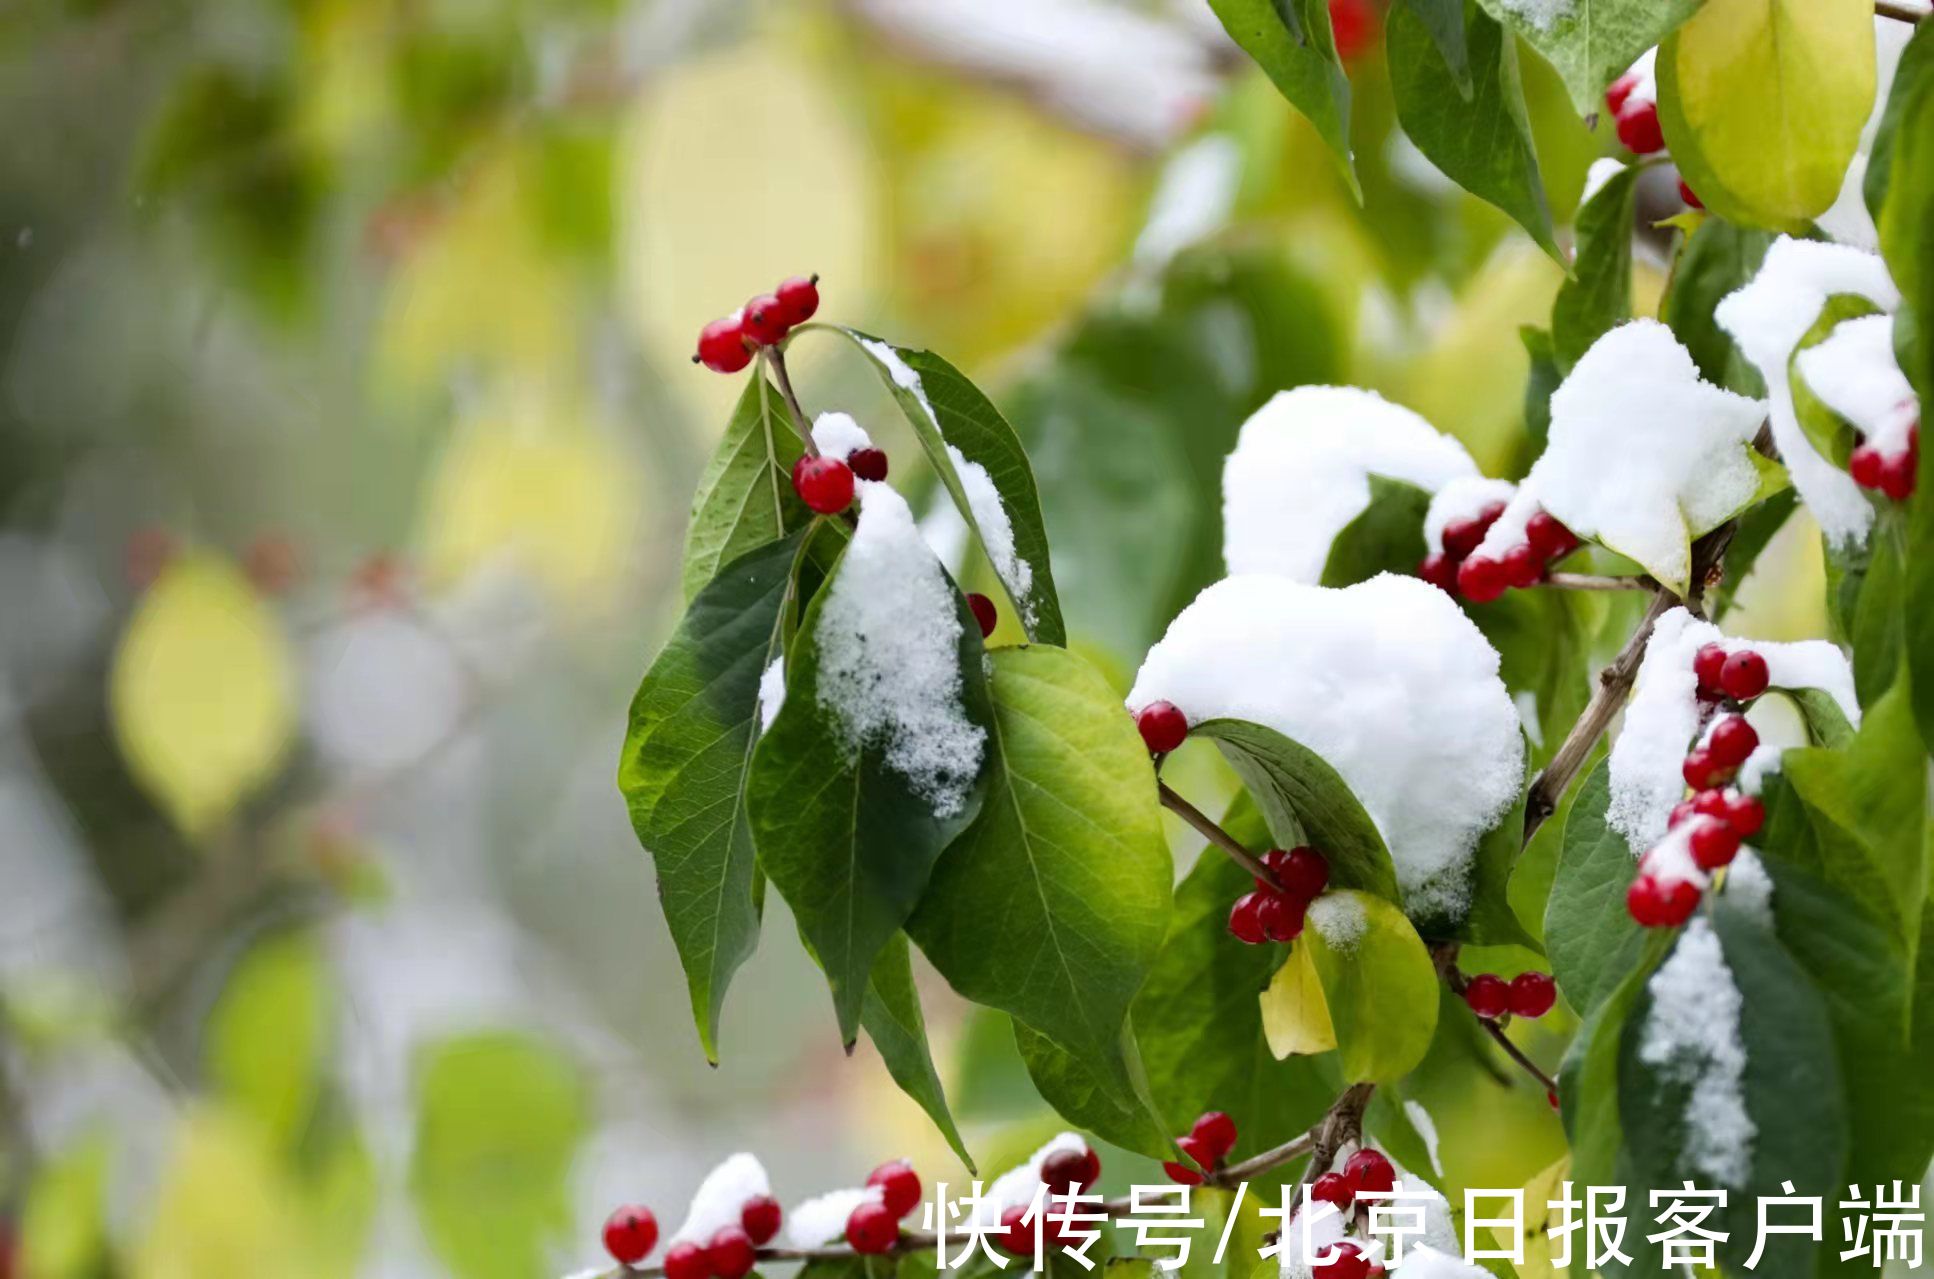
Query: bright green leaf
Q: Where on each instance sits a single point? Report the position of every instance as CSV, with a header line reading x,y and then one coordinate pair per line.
x,y
744,498
1378,981
1589,935
897,1027
1292,42
1597,296
1713,261
1592,42
267,1034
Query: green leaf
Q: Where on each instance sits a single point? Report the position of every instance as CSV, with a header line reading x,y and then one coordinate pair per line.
x,y
1053,905
498,1120
1544,644
268,1033
1483,144
63,1223
1379,984
1588,1079
744,498
897,1027
1790,1089
1589,935
1090,1102
1714,260
1303,800
1542,379
1751,535
1492,920
1826,723
1906,101
1591,42
947,411
1831,435
1292,42
684,765
1387,536
1763,101
1597,296
843,835
1444,19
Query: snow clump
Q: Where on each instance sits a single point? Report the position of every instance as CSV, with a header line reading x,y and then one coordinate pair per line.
x,y
772,692
838,435
1692,1035
822,1219
1854,372
1339,919
1464,498
720,1197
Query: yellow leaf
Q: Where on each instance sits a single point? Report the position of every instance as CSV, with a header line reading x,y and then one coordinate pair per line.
x,y
1295,1014
202,692
1538,1192
225,1209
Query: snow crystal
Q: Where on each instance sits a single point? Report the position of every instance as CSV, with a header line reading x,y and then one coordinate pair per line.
x,y
720,1196
838,435
1692,1035
1426,1130
1765,759
1463,498
1541,15
1388,681
996,531
1339,919
901,372
1854,373
1192,200
1767,318
772,692
1424,1262
1642,451
1664,716
1602,171
1300,471
888,639
1016,1187
1748,885
822,1219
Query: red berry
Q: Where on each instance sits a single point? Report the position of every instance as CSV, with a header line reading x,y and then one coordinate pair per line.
x,y
1548,537
1867,465
1532,994
721,346
730,1255
1066,1171
1732,739
1687,194
760,1216
1304,873
1745,814
1162,725
1481,580
1619,90
1440,570
1658,905
1744,675
1092,1172
1897,475
1217,1130
1638,127
1680,811
1346,1262
1461,537
984,612
1282,917
687,1261
1197,1149
872,1228
1354,24
1551,1095
899,1187
630,1233
868,463
1712,843
1245,918
764,322
1017,1236
1488,996
1708,803
1333,1188
1706,665
824,484
1523,566
798,299
1702,771
1371,1170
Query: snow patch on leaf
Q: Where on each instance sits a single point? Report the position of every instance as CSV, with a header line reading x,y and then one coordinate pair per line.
x,y
772,692
821,1220
996,531
1339,919
1692,1037
838,435
1749,886
721,1196
1854,372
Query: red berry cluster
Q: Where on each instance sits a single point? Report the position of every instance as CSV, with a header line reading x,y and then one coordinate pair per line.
x,y
726,344
1064,1173
1529,994
1457,569
1366,1171
1270,913
1636,119
1891,476
631,1232
1717,817
1162,726
874,1226
1208,1142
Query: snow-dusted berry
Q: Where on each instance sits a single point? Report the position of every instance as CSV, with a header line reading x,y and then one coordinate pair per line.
x,y
760,1217
1744,676
1732,739
1163,726
1488,995
1245,918
1217,1130
1620,89
721,346
1333,1188
1281,916
1706,665
1197,1149
1690,197
899,1187
1017,1235
1638,127
1067,1171
872,1228
1481,580
986,616
1702,772
1549,538
1708,803
1371,1171
1303,872
687,1261
824,484
1532,994
1346,1261
868,463
730,1254
1866,464
1897,475
1712,843
1656,904
1440,570
630,1233
764,322
798,299
1680,811
1745,814
1523,566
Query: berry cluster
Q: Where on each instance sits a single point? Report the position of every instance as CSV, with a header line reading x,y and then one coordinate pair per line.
x,y
1717,818
1272,913
1891,476
1459,570
631,1232
1529,994
1636,120
1365,1172
874,1226
726,344
1208,1142
1063,1173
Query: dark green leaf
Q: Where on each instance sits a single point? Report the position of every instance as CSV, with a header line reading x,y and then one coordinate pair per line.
x,y
897,1027
1913,89
1483,144
684,766
1588,1079
745,496
1597,295
1544,640
1589,935
1387,536
1716,258
1592,42
1444,19
1292,42
1492,921
1539,383
1089,1102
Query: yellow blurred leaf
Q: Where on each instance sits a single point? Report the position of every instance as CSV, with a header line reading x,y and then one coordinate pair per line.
x,y
202,691
267,1032
1295,1013
225,1209
1538,1193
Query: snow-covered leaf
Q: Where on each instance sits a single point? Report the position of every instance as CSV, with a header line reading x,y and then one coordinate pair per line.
x,y
1292,42
1597,296
898,1028
1831,435
1388,537
1589,935
745,497
1591,42
1377,983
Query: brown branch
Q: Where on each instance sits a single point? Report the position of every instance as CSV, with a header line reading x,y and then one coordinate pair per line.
x,y
1899,12
1211,831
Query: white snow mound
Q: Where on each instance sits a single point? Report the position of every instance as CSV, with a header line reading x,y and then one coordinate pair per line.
x,y
821,1220
1016,1187
1692,1034
1388,681
1854,373
1463,498
838,435
721,1196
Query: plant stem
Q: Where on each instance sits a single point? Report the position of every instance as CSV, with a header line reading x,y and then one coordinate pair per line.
x,y
1594,582
777,359
1446,959
1898,12
1209,830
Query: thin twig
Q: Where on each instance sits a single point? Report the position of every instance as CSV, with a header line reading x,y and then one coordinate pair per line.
x,y
1595,582
1211,831
1454,978
777,358
1899,12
